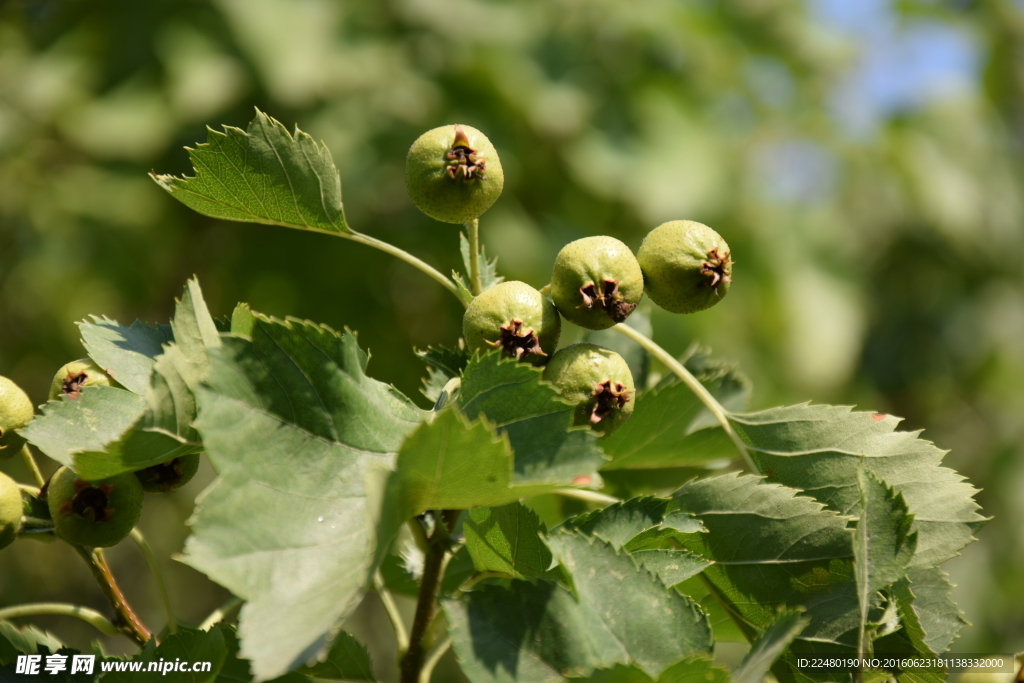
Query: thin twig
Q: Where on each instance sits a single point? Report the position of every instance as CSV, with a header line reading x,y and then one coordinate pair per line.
x,y
388,600
90,616
475,279
33,466
161,584
220,613
433,658
125,619
709,401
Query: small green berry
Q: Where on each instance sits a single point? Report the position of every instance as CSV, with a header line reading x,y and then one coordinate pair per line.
x,y
16,412
598,381
95,514
596,282
516,318
686,265
70,379
10,510
170,475
453,174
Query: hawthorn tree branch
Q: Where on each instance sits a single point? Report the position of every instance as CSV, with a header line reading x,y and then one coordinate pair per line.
x,y
434,563
124,617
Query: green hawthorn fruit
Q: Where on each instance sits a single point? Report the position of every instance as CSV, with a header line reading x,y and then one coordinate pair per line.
x,y
70,379
516,318
10,510
95,514
598,381
596,282
16,411
453,174
170,475
686,265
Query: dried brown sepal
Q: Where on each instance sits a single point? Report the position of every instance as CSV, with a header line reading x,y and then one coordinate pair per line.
x,y
714,267
608,397
166,474
73,383
464,161
617,308
517,341
91,502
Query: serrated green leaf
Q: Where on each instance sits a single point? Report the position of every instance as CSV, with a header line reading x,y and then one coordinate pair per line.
x,y
695,670
533,416
620,523
542,633
187,645
771,548
303,441
443,364
25,640
671,566
931,618
769,646
506,539
126,353
263,175
883,544
111,431
347,659
488,267
819,448
670,427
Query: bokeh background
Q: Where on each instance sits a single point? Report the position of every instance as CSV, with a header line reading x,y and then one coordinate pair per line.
x,y
862,157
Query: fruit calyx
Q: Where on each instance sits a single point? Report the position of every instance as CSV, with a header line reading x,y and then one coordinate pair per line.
x,y
715,268
465,162
617,308
73,383
608,397
518,342
90,501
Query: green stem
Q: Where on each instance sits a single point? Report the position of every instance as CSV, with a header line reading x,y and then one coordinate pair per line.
x,y
125,619
33,467
705,397
89,616
220,613
161,584
388,600
475,280
405,256
433,658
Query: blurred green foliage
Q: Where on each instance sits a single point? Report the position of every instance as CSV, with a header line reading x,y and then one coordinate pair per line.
x,y
877,223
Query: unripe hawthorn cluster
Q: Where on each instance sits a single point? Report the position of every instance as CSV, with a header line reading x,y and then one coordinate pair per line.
x,y
89,513
453,174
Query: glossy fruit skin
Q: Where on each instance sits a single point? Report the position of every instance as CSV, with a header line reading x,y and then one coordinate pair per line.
x,y
16,411
170,475
598,381
73,376
10,510
596,282
453,173
95,514
686,265
515,317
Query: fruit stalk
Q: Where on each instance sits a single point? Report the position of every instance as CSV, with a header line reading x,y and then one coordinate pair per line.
x,y
709,401
30,463
125,619
434,563
475,281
